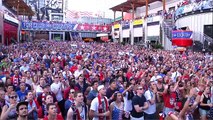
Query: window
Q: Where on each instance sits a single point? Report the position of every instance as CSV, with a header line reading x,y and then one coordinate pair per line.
x,y
160,12
172,9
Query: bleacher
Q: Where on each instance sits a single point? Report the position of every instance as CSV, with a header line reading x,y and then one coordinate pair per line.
x,y
193,7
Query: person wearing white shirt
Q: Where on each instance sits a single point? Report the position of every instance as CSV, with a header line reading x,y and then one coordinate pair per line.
x,y
175,75
56,88
29,79
39,89
24,67
78,72
150,95
66,73
155,77
99,109
127,101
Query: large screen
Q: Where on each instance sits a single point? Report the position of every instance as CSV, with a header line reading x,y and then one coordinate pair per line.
x,y
44,8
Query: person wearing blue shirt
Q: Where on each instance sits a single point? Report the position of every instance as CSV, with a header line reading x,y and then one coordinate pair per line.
x,y
93,92
22,93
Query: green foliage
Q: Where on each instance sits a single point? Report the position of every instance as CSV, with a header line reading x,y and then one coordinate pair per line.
x,y
157,46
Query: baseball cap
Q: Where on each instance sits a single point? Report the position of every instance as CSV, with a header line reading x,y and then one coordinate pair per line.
x,y
100,87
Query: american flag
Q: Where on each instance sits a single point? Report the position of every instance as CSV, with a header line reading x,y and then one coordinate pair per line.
x,y
78,14
85,14
71,14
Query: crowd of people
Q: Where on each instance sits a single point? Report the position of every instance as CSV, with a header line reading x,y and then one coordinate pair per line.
x,y
48,80
188,6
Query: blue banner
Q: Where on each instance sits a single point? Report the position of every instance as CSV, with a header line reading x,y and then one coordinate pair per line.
x,y
47,26
125,25
181,34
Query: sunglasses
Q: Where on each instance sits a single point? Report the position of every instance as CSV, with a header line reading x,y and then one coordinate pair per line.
x,y
12,97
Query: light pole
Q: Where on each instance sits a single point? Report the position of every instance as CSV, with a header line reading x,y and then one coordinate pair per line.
x,y
18,34
203,44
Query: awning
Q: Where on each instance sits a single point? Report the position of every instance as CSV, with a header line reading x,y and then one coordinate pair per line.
x,y
19,6
126,6
102,35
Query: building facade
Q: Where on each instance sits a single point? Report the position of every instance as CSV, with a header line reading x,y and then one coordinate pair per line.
x,y
53,20
9,20
157,27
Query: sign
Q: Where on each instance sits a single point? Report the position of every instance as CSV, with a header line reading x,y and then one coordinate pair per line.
x,y
105,38
125,25
116,26
118,19
49,26
181,34
138,22
117,34
10,18
182,38
153,19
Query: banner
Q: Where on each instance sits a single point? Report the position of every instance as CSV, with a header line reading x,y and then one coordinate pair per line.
x,y
48,26
10,18
116,26
182,38
153,19
138,22
181,34
125,25
194,6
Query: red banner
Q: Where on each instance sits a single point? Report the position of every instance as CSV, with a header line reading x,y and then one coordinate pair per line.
x,y
182,42
182,38
90,27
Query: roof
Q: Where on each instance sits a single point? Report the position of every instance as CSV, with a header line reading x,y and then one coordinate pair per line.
x,y
126,6
20,6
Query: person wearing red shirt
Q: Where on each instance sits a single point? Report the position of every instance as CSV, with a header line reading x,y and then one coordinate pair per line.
x,y
73,68
79,57
66,93
52,113
169,98
15,79
55,59
129,73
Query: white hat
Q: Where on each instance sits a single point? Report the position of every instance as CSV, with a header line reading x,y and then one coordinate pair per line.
x,y
158,77
100,87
